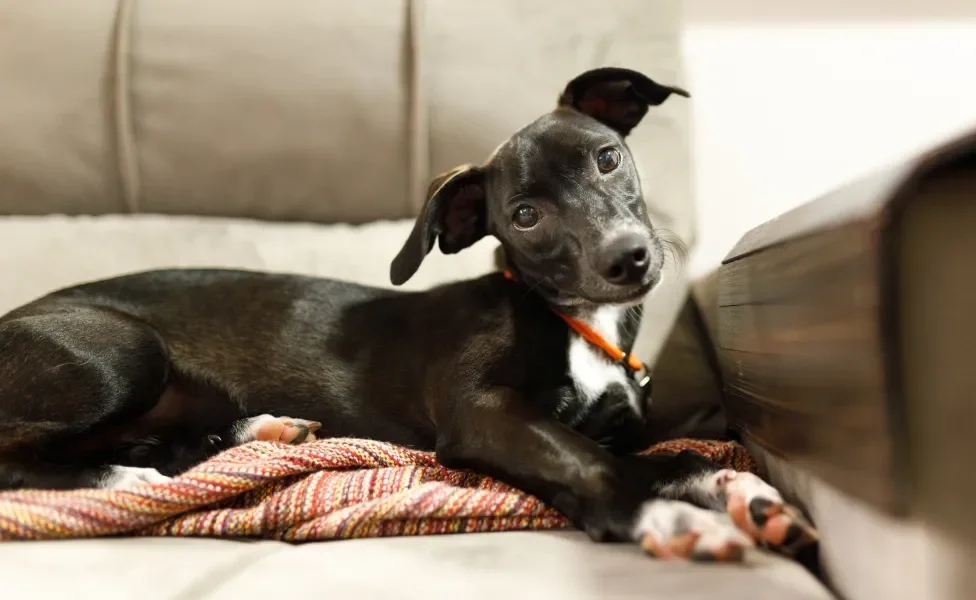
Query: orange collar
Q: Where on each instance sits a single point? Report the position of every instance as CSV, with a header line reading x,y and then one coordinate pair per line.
x,y
589,334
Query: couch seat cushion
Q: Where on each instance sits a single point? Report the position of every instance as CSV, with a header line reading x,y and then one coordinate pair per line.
x,y
488,566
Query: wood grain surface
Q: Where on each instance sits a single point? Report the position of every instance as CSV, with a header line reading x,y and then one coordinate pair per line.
x,y
810,327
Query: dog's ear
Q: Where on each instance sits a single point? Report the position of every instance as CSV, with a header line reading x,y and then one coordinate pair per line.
x,y
616,97
454,214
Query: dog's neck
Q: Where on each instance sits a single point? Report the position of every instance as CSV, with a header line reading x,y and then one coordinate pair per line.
x,y
605,318
604,321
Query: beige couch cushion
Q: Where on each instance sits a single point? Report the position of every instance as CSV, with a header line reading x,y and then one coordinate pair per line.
x,y
483,566
39,254
302,109
279,110
56,153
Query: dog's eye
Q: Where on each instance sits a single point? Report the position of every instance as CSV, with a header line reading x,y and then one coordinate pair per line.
x,y
608,159
525,217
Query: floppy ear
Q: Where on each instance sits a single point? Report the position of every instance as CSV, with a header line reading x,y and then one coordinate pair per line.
x,y
454,214
616,97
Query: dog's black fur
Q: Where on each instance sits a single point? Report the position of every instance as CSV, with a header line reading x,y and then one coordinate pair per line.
x,y
158,369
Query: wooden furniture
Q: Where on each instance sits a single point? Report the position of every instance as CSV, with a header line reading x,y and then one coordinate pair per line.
x,y
846,336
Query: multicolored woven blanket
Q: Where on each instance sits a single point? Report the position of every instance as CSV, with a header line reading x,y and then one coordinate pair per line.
x,y
322,490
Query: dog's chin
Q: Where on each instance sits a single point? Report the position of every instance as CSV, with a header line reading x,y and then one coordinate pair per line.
x,y
631,296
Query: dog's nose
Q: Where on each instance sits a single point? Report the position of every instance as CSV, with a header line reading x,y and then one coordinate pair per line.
x,y
625,260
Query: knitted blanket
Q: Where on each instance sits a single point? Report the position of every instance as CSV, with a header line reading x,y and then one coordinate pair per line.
x,y
322,490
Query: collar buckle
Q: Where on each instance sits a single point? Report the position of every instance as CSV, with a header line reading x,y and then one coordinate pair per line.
x,y
641,376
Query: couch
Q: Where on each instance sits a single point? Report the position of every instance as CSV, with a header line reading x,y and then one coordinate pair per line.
x,y
299,136
845,333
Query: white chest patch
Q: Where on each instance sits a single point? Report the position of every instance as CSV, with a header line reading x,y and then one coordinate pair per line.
x,y
591,369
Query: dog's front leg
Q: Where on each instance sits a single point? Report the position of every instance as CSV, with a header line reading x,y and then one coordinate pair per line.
x,y
673,505
756,507
495,432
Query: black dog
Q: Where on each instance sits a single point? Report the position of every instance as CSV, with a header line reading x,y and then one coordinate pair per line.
x,y
128,380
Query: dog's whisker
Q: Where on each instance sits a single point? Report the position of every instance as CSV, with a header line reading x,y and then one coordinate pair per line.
x,y
673,242
674,248
631,321
634,315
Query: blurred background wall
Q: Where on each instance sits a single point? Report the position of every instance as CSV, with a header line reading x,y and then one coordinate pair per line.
x,y
793,98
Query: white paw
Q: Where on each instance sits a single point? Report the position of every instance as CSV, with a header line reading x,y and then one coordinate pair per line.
x,y
120,478
758,509
676,529
269,428
734,483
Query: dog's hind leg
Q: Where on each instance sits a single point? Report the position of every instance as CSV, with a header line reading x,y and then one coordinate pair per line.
x,y
269,428
68,375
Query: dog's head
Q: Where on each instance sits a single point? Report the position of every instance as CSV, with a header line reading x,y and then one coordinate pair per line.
x,y
562,195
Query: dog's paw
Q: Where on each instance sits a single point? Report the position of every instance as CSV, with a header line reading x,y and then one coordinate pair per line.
x,y
676,529
268,428
121,478
758,509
